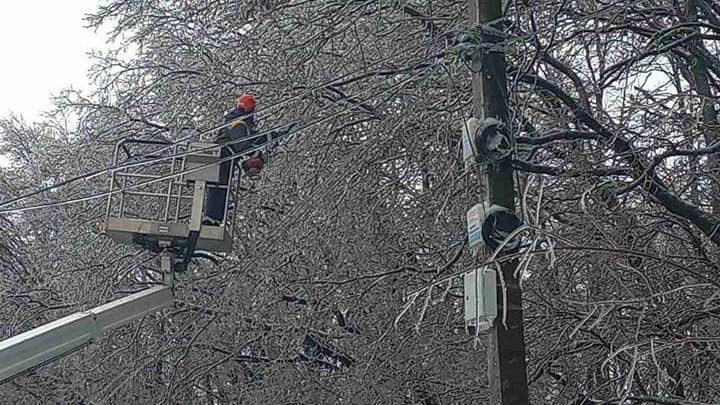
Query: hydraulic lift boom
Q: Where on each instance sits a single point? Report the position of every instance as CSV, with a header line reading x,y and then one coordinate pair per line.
x,y
55,339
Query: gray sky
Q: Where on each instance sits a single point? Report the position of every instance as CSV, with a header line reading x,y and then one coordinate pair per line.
x,y
44,49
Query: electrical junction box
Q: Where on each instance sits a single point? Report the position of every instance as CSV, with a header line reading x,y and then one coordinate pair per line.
x,y
485,141
475,217
480,287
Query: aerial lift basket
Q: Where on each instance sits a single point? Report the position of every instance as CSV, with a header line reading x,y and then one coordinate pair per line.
x,y
158,195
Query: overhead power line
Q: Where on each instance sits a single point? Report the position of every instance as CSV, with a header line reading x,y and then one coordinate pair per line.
x,y
108,169
155,180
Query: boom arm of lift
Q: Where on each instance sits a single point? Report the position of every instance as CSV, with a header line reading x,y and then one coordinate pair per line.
x,y
55,339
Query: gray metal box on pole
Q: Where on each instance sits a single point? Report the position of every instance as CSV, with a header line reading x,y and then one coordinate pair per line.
x,y
480,299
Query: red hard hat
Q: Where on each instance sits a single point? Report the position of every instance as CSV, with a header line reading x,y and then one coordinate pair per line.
x,y
246,103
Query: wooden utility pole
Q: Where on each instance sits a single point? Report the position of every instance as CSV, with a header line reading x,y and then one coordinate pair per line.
x,y
505,342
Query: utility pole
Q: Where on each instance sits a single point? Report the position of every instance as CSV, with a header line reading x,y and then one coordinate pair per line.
x,y
505,341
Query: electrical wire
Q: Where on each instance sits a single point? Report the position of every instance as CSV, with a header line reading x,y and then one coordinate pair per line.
x,y
93,174
155,180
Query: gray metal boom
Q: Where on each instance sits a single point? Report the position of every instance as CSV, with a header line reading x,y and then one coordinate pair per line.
x,y
55,339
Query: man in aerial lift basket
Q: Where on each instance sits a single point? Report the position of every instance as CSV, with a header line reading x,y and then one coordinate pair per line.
x,y
239,124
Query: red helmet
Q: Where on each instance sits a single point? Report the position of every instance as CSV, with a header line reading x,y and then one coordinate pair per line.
x,y
246,103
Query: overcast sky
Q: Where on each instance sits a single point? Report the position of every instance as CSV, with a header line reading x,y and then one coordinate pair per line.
x,y
43,48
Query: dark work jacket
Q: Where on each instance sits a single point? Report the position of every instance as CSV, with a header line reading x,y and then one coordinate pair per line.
x,y
240,126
